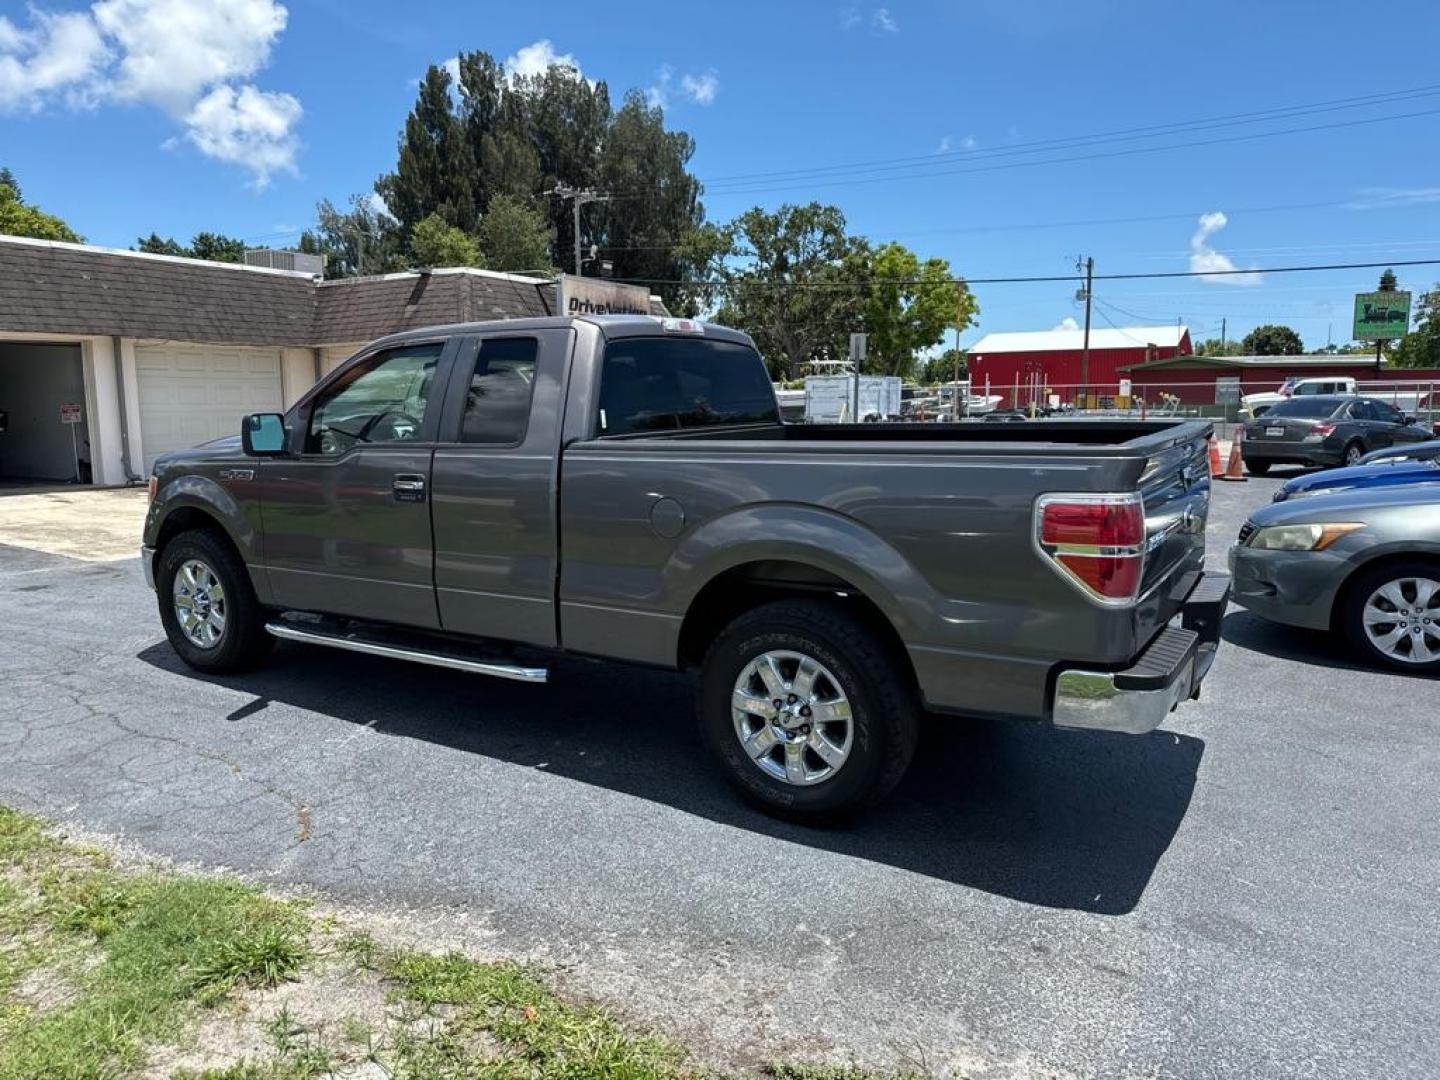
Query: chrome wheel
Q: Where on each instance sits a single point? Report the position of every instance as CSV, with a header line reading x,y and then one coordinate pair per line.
x,y
199,604
1402,620
792,717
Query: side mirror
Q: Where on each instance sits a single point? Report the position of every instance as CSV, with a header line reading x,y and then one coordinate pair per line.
x,y
263,434
1411,418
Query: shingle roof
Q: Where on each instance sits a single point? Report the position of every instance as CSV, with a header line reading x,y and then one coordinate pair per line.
x,y
73,289
51,287
1125,337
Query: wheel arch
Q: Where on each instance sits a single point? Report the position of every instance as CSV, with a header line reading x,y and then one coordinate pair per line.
x,y
1381,559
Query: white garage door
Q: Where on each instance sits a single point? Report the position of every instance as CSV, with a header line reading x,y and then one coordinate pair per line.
x,y
332,356
190,394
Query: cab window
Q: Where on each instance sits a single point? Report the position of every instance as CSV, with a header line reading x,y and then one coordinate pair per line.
x,y
381,400
673,383
497,404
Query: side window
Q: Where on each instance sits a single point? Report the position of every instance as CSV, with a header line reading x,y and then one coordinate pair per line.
x,y
672,383
381,400
1387,412
497,406
1361,410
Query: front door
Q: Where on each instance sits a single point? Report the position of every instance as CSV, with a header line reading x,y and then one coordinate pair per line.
x,y
347,514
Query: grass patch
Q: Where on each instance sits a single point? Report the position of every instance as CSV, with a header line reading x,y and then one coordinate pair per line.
x,y
153,963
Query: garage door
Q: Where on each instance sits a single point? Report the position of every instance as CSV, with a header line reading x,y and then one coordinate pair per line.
x,y
332,356
190,394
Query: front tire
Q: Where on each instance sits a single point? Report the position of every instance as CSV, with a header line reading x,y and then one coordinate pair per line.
x,y
844,730
208,606
1257,468
1391,614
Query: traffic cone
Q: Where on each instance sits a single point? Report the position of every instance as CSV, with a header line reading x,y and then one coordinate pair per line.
x,y
1235,467
1215,469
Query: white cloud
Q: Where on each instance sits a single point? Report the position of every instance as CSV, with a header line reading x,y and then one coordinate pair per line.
x,y
1381,198
452,67
850,18
536,58
377,205
701,89
657,94
948,144
248,127
1067,323
883,20
190,58
1211,264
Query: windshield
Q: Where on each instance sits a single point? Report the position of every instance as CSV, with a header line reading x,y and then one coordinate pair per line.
x,y
1310,410
667,383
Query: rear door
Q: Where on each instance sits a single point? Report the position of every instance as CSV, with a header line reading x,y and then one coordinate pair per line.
x,y
347,514
494,485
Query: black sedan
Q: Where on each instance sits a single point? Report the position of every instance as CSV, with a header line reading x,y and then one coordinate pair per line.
x,y
1325,430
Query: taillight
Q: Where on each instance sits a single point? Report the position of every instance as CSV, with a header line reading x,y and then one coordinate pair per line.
x,y
1322,429
151,486
1097,541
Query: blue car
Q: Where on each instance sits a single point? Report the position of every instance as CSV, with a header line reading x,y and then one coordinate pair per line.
x,y
1382,474
1420,451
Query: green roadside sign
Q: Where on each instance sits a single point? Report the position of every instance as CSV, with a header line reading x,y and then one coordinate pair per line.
x,y
1381,316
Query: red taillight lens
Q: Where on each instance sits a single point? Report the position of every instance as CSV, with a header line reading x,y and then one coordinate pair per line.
x,y
150,487
1322,429
1105,524
1098,541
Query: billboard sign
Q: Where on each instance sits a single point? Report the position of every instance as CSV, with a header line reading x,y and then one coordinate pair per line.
x,y
1381,316
596,296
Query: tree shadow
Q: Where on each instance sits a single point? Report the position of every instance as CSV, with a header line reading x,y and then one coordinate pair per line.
x,y
1061,819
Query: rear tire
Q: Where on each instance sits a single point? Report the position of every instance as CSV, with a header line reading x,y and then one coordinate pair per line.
x,y
1354,451
208,606
840,743
1257,468
1408,590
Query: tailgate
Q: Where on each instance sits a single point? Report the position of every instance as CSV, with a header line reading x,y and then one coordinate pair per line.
x,y
1176,488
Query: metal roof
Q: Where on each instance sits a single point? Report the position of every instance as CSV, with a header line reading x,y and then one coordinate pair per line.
x,y
1316,360
1125,337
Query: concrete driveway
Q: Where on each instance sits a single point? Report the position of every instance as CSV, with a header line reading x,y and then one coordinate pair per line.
x,y
89,524
1247,892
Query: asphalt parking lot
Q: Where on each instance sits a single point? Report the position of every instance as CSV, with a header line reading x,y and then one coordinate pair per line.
x,y
1249,891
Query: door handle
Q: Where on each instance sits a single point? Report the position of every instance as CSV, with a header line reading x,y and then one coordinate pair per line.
x,y
408,487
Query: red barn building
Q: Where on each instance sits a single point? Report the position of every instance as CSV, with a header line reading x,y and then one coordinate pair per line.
x,y
1051,359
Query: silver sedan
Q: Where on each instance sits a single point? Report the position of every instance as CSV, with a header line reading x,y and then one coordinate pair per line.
x,y
1365,563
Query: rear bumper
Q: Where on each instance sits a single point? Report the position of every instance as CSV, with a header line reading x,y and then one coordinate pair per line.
x,y
1169,670
1291,453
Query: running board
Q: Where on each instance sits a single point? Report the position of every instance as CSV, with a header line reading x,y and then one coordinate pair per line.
x,y
355,641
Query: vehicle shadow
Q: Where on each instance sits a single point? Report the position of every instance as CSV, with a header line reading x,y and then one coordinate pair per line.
x,y
1324,648
1060,819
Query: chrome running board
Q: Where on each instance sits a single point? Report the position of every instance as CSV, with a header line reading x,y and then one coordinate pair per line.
x,y
355,641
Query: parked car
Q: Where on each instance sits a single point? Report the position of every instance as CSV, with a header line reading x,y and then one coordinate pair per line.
x,y
1365,563
503,493
1004,416
1389,473
1325,430
1253,406
1421,451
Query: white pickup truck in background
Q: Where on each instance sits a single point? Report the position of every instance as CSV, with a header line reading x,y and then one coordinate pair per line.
x,y
1253,405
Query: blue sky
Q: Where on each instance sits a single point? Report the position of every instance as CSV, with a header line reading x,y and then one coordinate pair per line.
x,y
126,116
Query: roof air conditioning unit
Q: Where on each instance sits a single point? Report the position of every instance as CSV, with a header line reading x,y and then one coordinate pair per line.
x,y
296,261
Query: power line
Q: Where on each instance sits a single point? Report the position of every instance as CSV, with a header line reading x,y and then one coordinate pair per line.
x,y
1024,280
1255,116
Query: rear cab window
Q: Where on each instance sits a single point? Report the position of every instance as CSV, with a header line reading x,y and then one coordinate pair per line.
x,y
651,384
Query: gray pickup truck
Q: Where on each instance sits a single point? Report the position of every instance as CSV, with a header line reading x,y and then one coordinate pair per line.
x,y
488,497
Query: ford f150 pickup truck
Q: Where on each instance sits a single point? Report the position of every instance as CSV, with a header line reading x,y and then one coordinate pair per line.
x,y
488,497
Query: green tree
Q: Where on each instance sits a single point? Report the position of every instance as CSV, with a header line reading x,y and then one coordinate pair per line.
x,y
361,241
435,242
646,229
513,237
949,365
434,171
216,247
1273,340
789,294
1215,347
18,218
154,244
908,307
1421,347
1388,282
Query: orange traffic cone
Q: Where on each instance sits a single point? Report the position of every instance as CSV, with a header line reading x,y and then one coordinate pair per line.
x,y
1235,467
1215,469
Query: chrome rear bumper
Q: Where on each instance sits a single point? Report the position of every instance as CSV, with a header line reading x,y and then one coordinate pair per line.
x,y
1138,698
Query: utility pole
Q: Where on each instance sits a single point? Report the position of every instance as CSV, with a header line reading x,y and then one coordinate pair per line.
x,y
1085,348
579,198
1222,337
